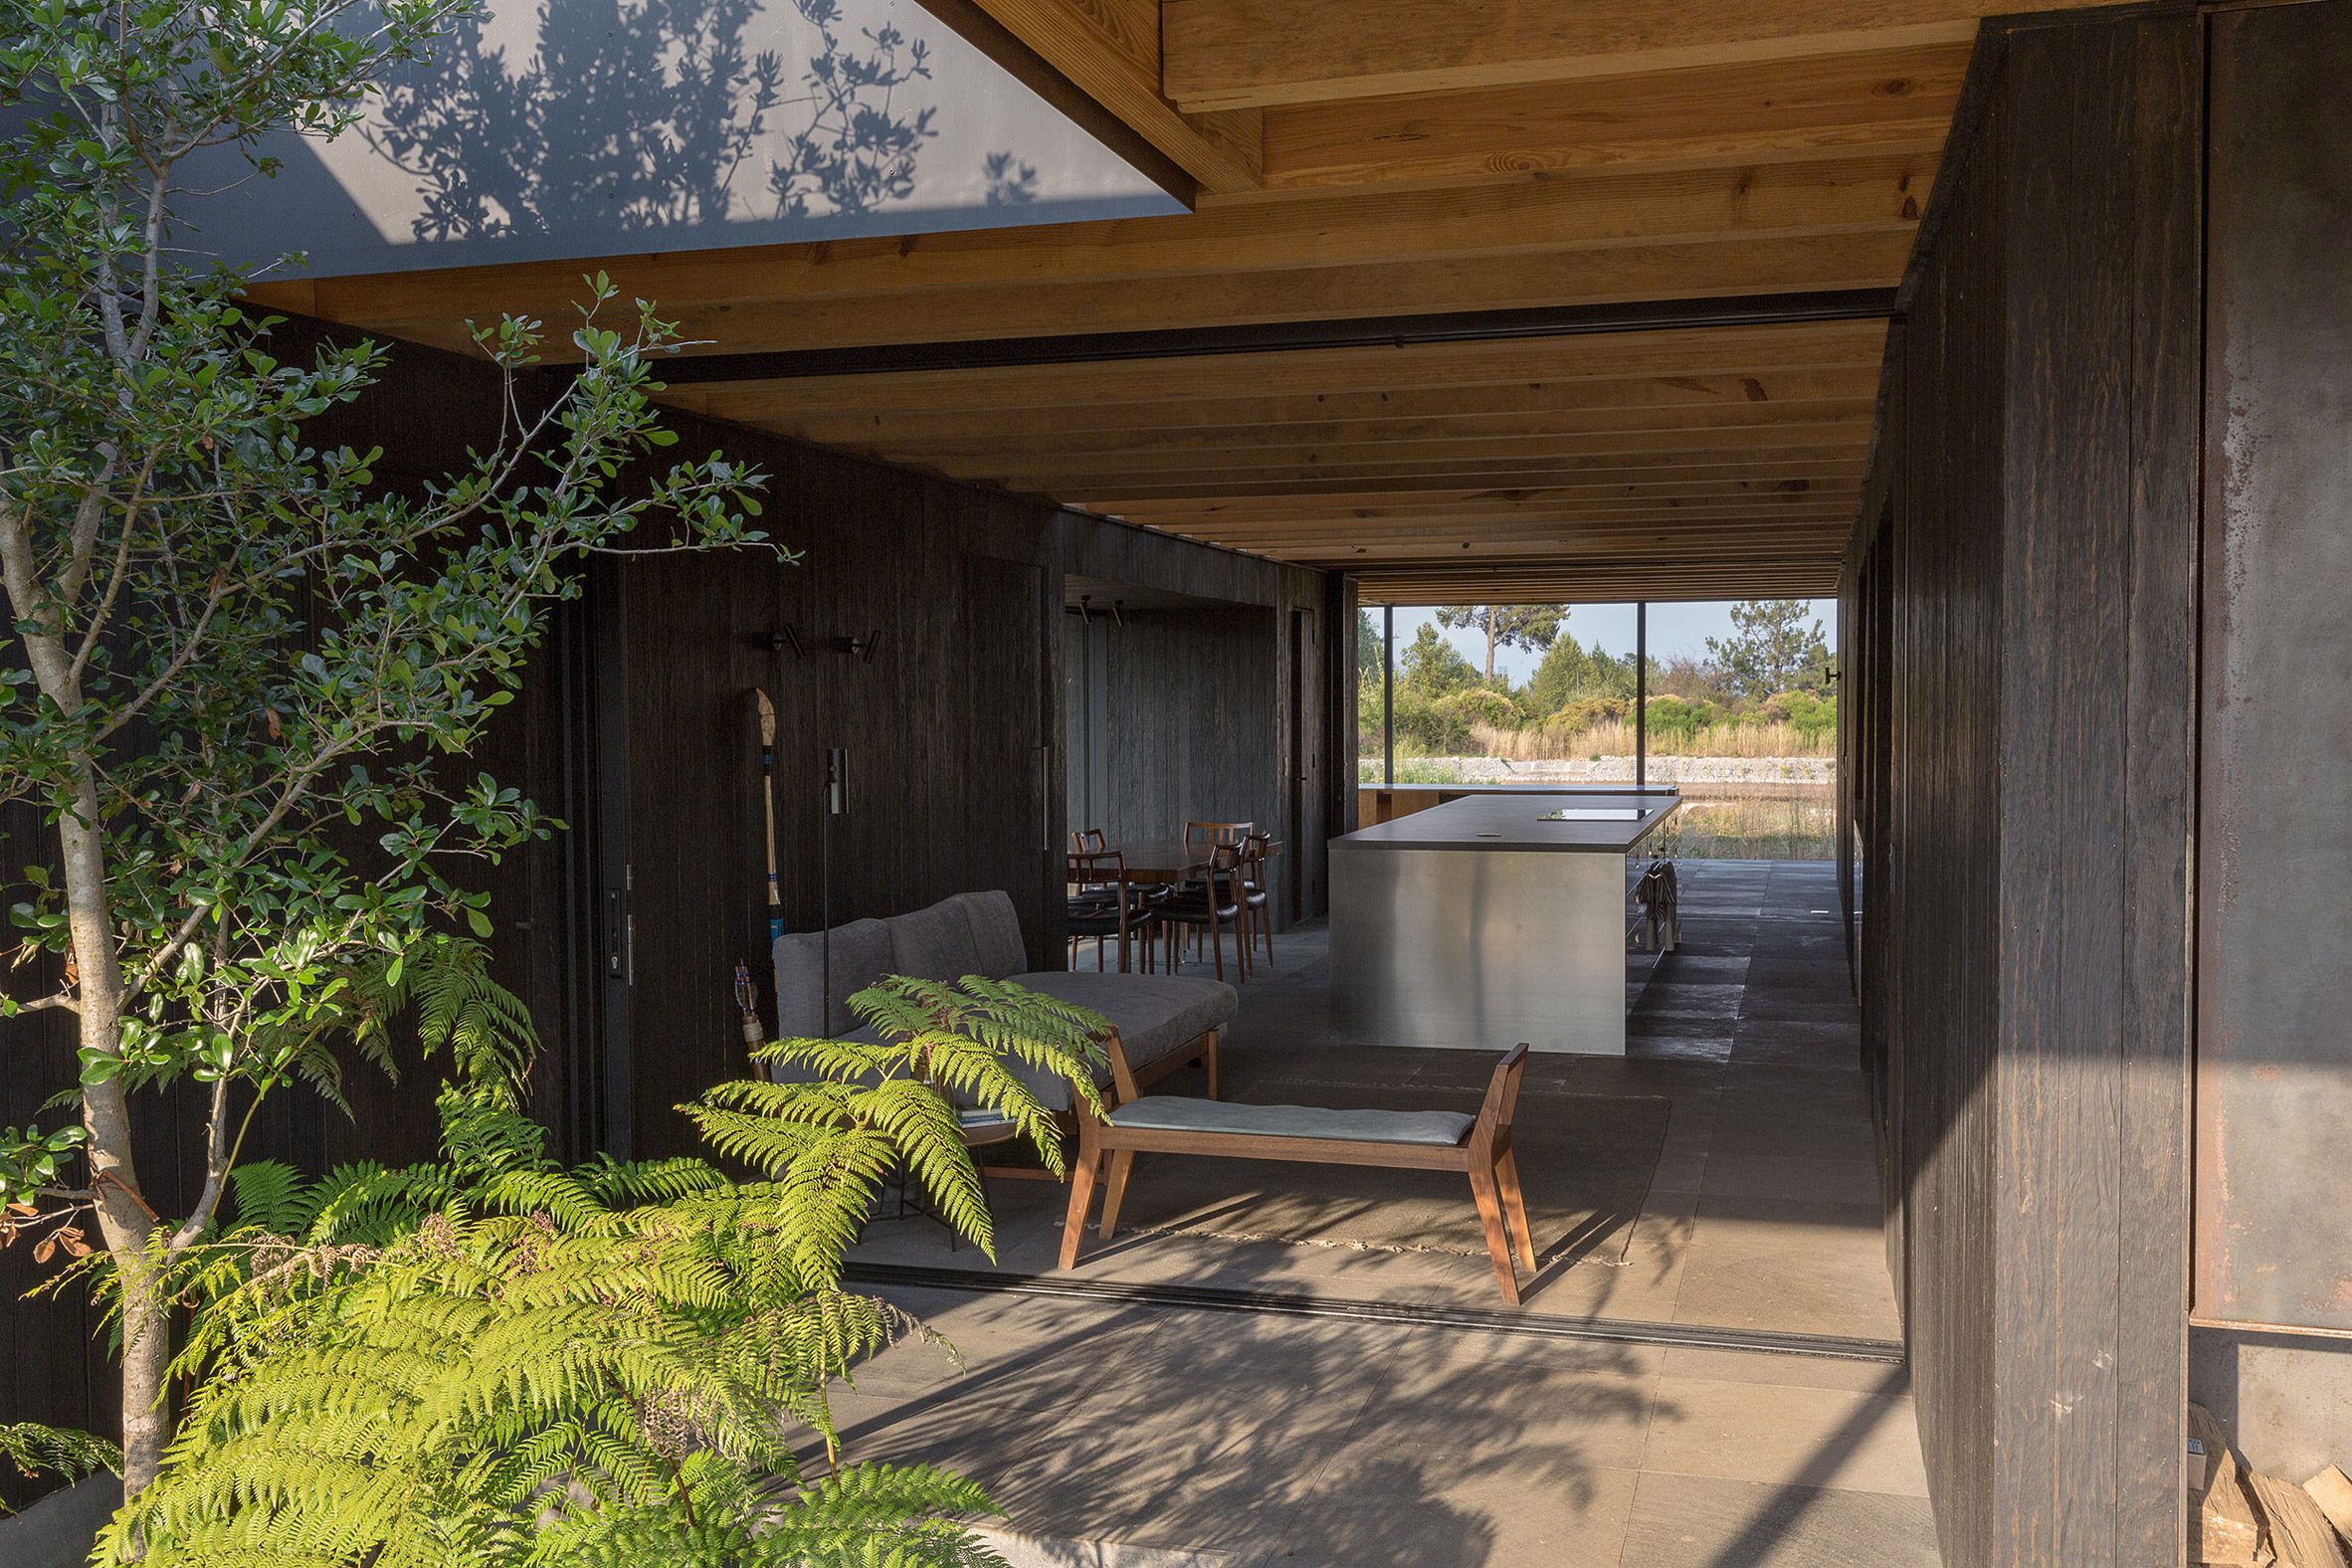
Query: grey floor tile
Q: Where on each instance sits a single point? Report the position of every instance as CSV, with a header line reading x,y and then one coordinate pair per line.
x,y
1853,1441
1681,1521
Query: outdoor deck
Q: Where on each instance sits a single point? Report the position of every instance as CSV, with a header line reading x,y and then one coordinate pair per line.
x,y
1658,1416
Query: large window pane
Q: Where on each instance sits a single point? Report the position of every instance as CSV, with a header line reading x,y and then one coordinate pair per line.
x,y
1743,717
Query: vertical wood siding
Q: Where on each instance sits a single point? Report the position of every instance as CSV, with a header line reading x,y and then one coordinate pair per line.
x,y
2022,793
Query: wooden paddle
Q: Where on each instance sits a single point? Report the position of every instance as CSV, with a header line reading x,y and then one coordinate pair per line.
x,y
746,999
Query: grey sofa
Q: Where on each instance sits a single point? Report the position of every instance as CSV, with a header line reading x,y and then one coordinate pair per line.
x,y
1163,1021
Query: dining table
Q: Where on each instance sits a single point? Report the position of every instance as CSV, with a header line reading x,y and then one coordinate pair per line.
x,y
1144,861
1170,860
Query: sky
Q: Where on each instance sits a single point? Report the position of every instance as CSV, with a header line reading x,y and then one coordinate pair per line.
x,y
1673,629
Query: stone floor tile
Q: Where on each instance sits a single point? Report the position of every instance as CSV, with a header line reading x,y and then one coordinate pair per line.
x,y
1685,1522
1793,1437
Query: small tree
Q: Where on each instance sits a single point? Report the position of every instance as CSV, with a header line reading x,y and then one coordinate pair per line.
x,y
1430,667
1770,649
1368,647
1530,626
236,671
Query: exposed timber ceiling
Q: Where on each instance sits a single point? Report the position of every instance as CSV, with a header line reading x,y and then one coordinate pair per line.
x,y
1358,161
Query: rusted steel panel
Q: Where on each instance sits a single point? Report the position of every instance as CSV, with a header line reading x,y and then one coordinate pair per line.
x,y
2275,937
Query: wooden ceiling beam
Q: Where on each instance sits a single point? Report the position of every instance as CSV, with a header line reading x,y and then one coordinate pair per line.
x,y
712,290
1500,526
1594,583
1643,547
1108,51
883,428
1235,54
1889,101
1604,356
1684,269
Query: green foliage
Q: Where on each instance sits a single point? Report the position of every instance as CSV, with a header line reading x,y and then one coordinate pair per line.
x,y
35,1450
1430,667
241,672
1570,673
1770,649
1369,644
493,1360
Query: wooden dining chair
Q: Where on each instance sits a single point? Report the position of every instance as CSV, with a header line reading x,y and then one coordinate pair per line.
x,y
1257,911
1087,841
1211,907
1213,833
1102,904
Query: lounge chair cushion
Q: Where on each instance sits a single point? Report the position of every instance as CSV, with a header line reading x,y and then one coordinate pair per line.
x,y
934,943
1175,1113
996,932
860,956
1154,1015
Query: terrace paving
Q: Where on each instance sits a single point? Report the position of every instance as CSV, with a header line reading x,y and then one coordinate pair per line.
x,y
1136,1434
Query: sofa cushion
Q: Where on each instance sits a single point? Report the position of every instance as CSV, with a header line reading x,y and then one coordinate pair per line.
x,y
1154,1015
934,943
996,932
860,956
1173,1114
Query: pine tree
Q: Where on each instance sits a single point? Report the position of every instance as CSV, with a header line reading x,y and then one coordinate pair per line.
x,y
1770,649
1530,626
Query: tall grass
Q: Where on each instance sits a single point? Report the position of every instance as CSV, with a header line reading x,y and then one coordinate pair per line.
x,y
1614,738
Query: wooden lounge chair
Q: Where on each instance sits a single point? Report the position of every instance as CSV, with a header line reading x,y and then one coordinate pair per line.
x,y
1430,1140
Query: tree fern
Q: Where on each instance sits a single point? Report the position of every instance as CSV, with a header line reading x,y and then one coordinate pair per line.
x,y
490,1359
35,1450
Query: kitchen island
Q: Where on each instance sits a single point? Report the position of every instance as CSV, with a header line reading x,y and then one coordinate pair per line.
x,y
1497,918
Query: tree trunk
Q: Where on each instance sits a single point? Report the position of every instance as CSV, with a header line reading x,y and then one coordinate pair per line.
x,y
1490,645
146,1364
127,1222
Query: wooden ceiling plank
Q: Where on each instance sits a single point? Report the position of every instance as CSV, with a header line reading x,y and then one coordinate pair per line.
x,y
1415,490
1892,100
1287,496
1213,484
1406,436
1009,467
1232,54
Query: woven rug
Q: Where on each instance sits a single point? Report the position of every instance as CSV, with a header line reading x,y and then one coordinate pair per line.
x,y
1585,1161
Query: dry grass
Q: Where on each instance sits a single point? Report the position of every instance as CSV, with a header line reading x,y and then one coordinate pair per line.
x,y
1614,738
1750,829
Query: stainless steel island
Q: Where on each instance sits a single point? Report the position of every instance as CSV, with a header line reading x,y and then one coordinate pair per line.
x,y
1497,918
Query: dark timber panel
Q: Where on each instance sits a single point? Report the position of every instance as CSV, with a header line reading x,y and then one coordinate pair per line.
x,y
2023,792
2274,1058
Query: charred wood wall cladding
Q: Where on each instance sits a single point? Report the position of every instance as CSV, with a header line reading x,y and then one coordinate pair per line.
x,y
635,727
2273,1056
952,729
1170,716
2024,801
